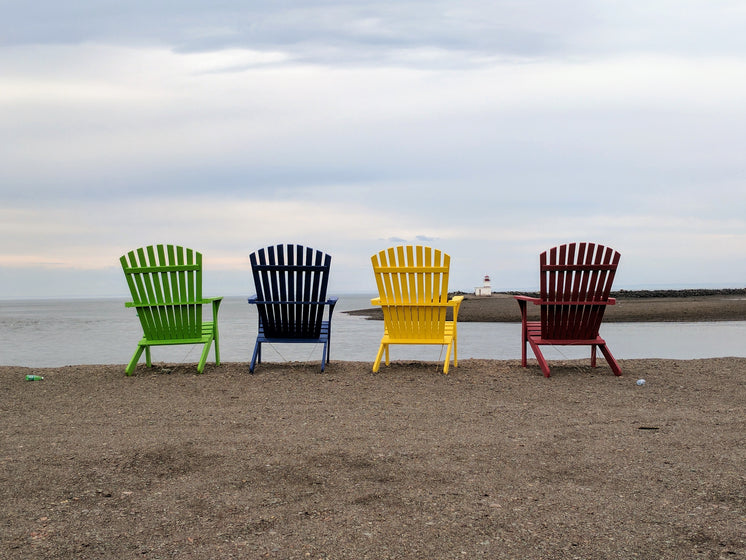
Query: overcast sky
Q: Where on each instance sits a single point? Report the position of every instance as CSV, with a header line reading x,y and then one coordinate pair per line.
x,y
491,129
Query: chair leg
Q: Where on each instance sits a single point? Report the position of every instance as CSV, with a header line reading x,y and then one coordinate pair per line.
x,y
133,362
329,344
524,332
324,357
524,343
257,353
448,359
377,363
217,348
593,355
610,359
540,357
147,356
203,357
455,351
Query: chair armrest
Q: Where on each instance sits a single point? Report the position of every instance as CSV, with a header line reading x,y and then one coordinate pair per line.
x,y
539,301
252,299
522,301
331,302
455,302
574,302
215,306
173,303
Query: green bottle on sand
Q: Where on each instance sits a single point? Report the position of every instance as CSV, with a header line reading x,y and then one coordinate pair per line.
x,y
34,378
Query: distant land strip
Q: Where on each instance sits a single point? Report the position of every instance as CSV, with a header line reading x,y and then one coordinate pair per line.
x,y
632,306
653,293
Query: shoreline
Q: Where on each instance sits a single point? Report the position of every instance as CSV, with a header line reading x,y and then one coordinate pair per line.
x,y
639,306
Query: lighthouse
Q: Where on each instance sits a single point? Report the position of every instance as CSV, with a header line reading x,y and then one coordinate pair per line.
x,y
485,289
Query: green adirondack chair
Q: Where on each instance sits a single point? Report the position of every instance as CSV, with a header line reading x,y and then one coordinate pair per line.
x,y
166,286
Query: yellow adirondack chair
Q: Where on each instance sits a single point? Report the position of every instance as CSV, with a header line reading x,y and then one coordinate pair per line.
x,y
413,294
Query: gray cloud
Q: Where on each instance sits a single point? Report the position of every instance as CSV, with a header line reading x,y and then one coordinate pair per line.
x,y
491,130
341,32
327,31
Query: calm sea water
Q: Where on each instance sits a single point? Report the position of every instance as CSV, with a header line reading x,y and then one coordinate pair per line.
x,y
50,333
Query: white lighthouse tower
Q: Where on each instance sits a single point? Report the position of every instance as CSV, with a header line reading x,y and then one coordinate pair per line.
x,y
485,289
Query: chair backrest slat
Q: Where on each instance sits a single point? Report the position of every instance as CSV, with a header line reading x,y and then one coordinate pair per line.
x,y
582,273
291,283
165,282
412,284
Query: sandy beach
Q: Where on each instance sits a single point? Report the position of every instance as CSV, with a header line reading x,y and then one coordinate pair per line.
x,y
490,461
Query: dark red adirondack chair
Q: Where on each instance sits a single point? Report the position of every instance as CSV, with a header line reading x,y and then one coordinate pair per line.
x,y
575,284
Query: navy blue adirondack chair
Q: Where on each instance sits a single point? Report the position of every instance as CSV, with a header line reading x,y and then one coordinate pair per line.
x,y
291,282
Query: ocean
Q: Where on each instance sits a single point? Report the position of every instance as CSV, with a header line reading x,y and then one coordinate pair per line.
x,y
59,332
